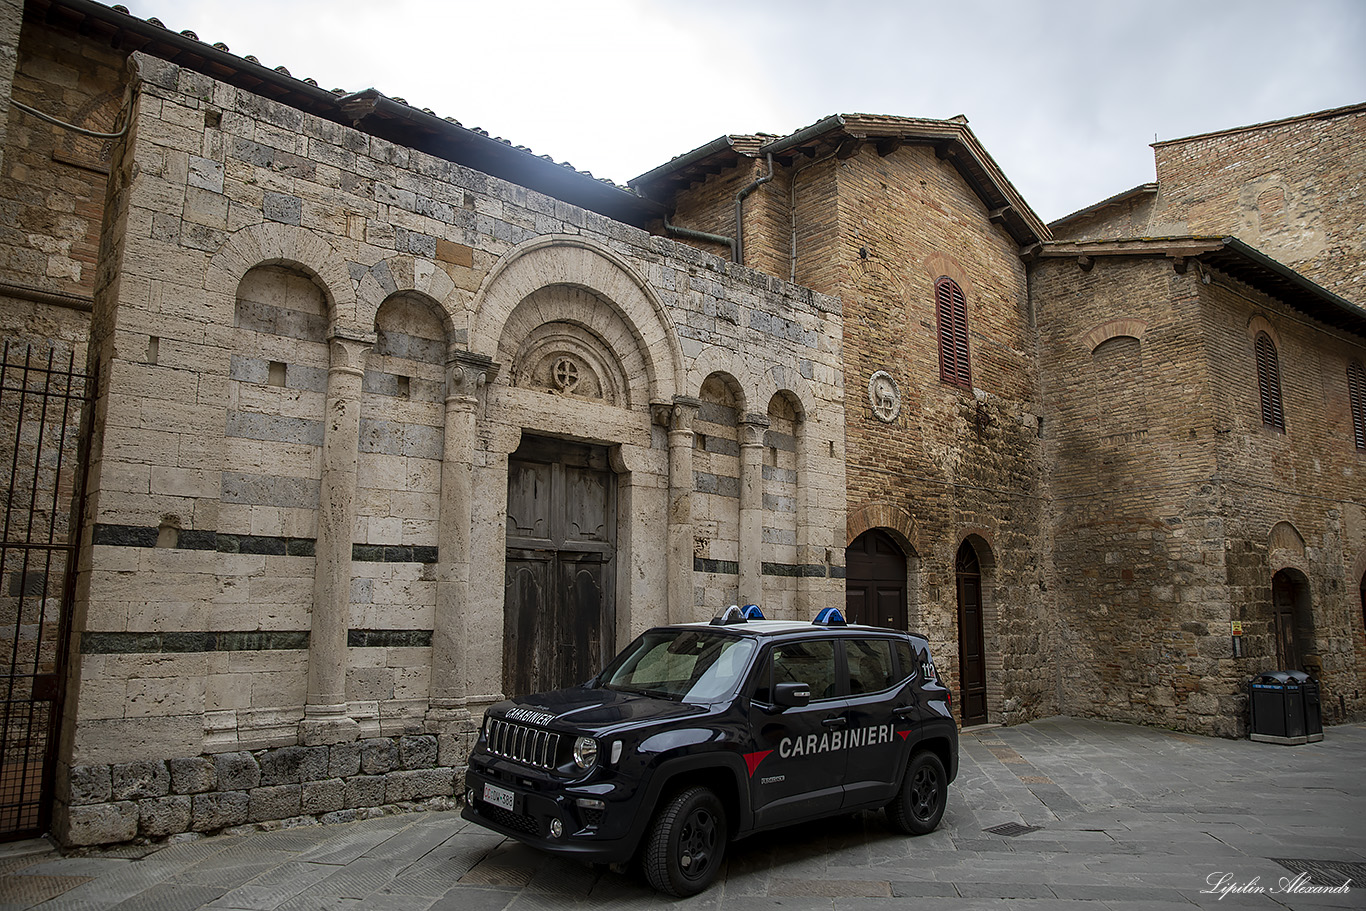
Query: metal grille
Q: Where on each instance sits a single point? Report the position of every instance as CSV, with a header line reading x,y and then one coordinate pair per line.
x,y
510,820
532,746
42,404
1012,829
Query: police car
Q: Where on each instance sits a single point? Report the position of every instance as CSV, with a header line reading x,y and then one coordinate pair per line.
x,y
702,733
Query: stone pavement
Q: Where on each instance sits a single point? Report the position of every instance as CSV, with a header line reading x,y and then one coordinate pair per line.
x,y
1128,818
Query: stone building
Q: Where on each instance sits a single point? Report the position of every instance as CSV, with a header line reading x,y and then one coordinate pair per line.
x,y
389,417
380,437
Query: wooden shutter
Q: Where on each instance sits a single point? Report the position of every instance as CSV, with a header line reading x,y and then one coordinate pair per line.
x,y
952,309
1356,390
1269,382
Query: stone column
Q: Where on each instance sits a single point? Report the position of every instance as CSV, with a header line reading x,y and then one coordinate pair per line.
x,y
679,419
752,508
325,715
466,376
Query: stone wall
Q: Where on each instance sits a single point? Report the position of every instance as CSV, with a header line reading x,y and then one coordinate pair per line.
x,y
952,464
1292,498
319,351
1290,188
963,464
1167,487
52,181
152,799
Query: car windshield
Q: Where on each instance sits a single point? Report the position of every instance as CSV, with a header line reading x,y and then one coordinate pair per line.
x,y
686,665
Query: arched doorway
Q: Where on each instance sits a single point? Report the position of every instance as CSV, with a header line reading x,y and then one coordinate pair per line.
x,y
875,581
972,664
1292,620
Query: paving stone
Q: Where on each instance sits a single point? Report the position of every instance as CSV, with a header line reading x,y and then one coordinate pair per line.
x,y
1144,836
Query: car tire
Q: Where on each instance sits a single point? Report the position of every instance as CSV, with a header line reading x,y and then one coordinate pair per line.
x,y
919,804
687,843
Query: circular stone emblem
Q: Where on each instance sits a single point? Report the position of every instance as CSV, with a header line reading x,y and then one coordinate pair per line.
x,y
885,396
566,374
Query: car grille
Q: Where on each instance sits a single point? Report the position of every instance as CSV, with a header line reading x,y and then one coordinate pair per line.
x,y
509,820
521,743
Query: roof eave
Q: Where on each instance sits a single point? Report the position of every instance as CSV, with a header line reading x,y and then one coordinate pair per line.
x,y
1232,257
487,154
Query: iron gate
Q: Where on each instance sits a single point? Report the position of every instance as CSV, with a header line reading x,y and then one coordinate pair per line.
x,y
43,398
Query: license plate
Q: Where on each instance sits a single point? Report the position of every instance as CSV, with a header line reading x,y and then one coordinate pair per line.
x,y
499,797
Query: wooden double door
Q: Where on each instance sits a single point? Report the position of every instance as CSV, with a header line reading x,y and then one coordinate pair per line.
x,y
558,608
875,581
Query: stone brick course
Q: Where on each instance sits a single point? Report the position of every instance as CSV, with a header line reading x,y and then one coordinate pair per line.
x,y
151,800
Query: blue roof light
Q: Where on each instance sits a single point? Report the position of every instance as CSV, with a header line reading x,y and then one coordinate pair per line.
x,y
830,616
752,612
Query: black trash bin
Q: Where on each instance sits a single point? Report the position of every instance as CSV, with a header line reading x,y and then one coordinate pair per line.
x,y
1313,710
1277,701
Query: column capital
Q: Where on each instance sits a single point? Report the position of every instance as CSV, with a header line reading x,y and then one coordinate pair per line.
x,y
349,353
467,372
676,415
752,427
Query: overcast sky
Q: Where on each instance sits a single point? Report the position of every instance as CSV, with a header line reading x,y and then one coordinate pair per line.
x,y
1066,96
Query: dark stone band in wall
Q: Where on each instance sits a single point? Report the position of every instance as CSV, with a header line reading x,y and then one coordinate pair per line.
x,y
200,539
798,570
393,553
267,545
94,643
389,638
728,567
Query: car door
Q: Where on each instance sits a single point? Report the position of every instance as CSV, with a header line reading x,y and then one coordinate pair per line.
x,y
795,771
879,708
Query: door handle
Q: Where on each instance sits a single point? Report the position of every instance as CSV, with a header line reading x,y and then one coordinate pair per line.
x,y
902,711
835,722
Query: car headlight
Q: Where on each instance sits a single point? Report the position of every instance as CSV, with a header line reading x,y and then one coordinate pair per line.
x,y
585,752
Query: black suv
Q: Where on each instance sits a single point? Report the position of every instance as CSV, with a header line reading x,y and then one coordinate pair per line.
x,y
701,733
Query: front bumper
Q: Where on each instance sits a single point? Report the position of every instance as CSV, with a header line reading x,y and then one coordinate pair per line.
x,y
598,836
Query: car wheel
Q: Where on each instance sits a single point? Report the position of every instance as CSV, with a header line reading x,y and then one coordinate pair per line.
x,y
687,843
919,805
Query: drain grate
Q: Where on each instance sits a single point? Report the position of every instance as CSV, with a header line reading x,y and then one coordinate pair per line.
x,y
1326,872
1011,829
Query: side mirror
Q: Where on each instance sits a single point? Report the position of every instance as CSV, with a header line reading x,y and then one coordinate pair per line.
x,y
792,695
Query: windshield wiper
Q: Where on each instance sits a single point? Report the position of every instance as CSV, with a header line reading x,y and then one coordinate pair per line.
x,y
644,691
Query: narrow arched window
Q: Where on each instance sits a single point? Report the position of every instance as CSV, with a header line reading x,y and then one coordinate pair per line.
x,y
1356,391
1269,382
952,309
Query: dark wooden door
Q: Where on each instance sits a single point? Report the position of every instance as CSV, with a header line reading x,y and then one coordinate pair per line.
x,y
1283,610
558,607
972,663
875,583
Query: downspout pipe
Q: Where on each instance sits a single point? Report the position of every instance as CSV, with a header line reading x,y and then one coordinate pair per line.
x,y
701,235
739,248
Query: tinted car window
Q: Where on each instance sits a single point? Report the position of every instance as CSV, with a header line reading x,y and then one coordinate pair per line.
x,y
870,665
812,663
906,659
691,665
